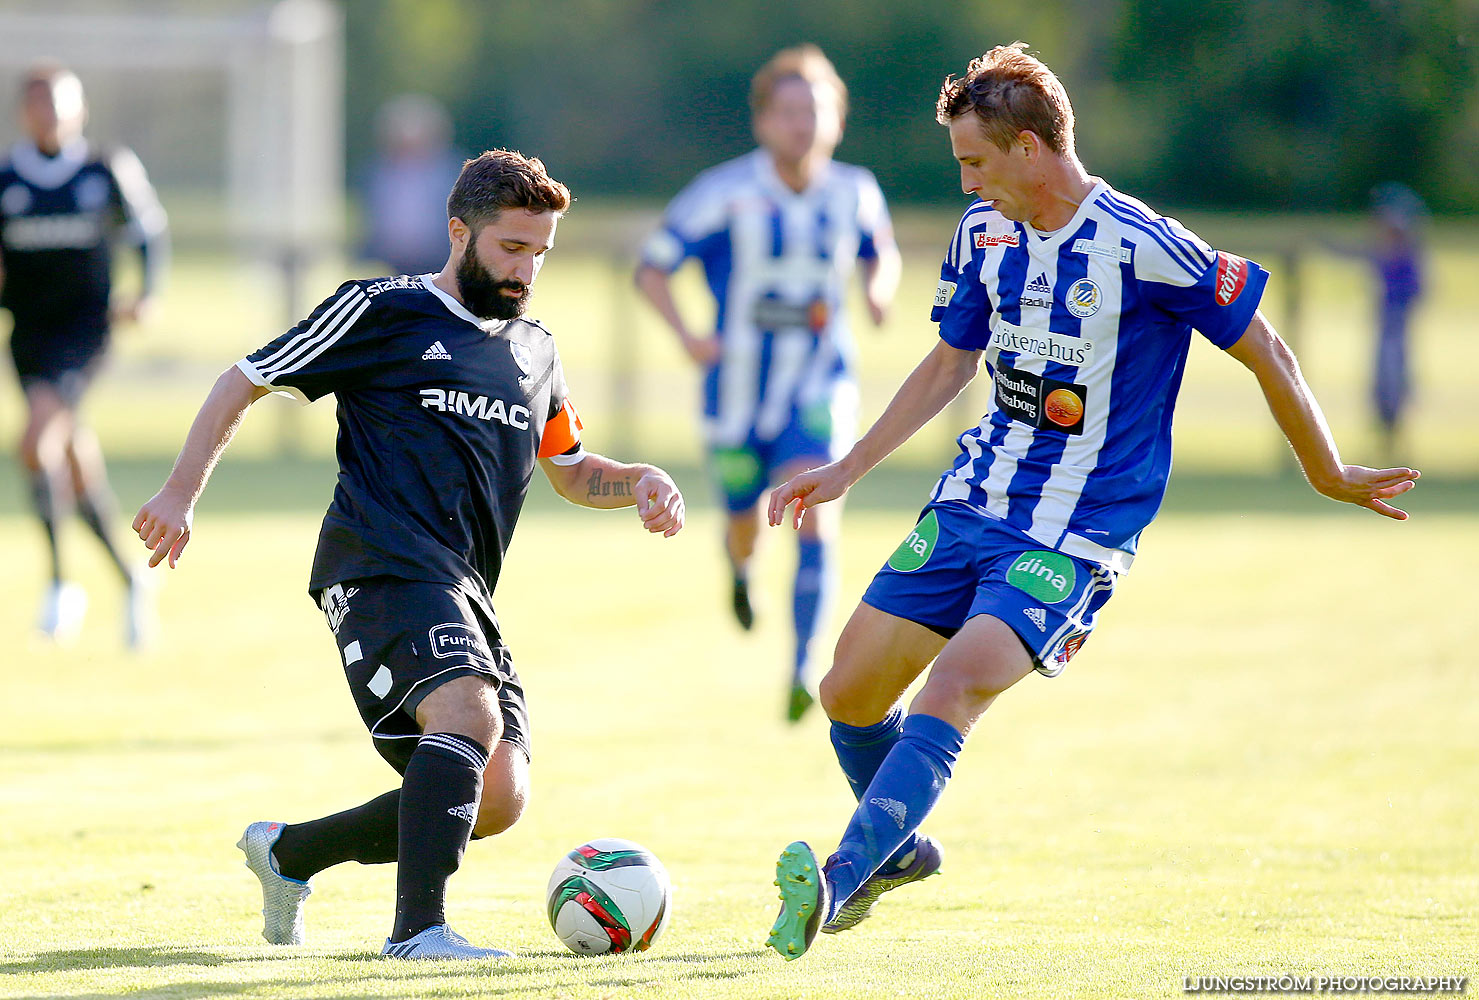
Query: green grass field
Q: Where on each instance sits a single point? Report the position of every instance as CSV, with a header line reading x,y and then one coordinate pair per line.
x,y
1264,762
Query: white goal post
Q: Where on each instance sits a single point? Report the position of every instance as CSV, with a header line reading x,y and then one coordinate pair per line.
x,y
238,114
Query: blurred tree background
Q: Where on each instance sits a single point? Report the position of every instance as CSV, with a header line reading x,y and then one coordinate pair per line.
x,y
1231,103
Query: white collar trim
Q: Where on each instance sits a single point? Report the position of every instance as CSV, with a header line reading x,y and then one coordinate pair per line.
x,y
489,326
48,172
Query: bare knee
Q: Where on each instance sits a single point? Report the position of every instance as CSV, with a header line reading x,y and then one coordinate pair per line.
x,y
854,691
43,445
741,534
498,815
467,706
505,791
983,660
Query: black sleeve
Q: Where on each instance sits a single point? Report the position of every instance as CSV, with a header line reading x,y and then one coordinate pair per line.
x,y
334,348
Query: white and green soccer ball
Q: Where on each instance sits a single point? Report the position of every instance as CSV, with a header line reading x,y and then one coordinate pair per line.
x,y
608,896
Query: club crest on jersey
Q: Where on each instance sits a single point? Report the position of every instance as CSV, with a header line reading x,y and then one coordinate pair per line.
x,y
468,405
1084,298
1232,275
15,200
522,357
986,240
92,193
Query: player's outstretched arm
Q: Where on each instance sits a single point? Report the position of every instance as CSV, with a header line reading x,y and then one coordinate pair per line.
x,y
598,481
1266,355
653,284
934,382
881,280
164,522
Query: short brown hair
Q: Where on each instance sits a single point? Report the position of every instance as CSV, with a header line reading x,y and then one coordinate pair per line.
x,y
499,179
45,72
1010,92
803,62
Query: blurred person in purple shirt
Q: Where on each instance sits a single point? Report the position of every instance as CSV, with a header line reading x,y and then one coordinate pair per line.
x,y
1397,256
405,191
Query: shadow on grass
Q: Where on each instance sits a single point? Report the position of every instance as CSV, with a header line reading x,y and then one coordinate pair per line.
x,y
287,484
161,744
632,971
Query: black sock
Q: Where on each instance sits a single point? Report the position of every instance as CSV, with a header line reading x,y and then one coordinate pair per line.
x,y
44,498
439,804
366,833
97,506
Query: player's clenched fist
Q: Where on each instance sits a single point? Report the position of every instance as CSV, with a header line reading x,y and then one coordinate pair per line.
x,y
660,504
163,525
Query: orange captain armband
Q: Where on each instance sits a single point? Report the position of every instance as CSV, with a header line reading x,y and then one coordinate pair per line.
x,y
561,432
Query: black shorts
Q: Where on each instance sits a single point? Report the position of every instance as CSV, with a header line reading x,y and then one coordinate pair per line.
x,y
65,357
400,640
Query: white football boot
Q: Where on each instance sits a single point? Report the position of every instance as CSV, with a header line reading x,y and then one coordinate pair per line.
x,y
62,611
282,898
439,941
140,622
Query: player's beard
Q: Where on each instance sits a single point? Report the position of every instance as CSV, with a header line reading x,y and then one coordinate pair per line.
x,y
483,292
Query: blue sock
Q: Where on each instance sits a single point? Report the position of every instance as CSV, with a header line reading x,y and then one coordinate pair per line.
x,y
860,751
901,794
809,598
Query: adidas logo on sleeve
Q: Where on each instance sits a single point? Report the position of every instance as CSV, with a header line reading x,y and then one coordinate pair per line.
x,y
436,352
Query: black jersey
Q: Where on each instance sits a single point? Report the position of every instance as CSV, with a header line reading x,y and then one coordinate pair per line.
x,y
441,417
59,216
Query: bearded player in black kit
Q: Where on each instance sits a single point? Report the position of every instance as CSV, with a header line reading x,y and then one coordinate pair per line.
x,y
447,396
63,203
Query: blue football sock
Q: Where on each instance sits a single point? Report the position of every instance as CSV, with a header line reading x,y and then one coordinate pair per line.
x,y
861,749
809,598
901,794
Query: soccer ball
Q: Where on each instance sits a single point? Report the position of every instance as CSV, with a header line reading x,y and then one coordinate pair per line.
x,y
609,896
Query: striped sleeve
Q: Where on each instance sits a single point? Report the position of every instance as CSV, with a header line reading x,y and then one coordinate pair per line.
x,y
326,352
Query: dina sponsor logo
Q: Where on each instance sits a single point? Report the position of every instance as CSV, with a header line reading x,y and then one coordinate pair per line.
x,y
914,551
479,407
1048,576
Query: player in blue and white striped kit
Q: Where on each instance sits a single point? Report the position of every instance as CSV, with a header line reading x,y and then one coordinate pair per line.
x,y
1082,302
779,232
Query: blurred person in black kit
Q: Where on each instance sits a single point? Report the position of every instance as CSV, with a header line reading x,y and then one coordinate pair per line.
x,y
64,202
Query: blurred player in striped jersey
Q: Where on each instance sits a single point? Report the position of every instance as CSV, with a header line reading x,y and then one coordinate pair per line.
x,y
63,204
779,232
1082,302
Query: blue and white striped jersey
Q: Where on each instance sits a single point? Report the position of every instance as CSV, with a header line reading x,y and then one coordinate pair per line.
x,y
778,263
1085,332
